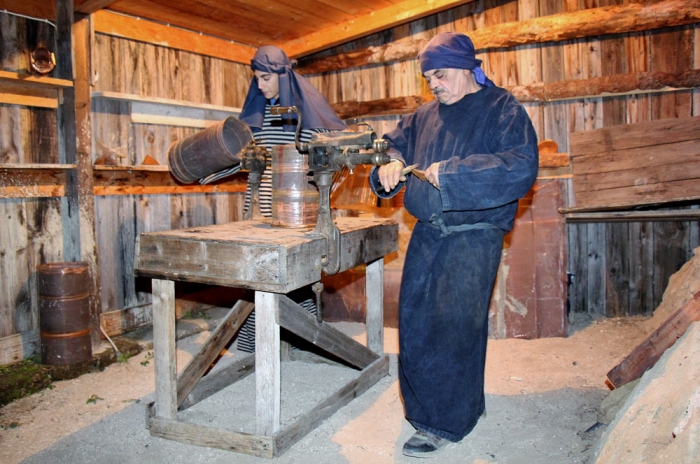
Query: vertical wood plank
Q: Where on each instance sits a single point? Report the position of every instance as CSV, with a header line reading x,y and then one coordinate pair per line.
x,y
164,348
596,265
86,203
641,268
578,294
15,295
68,151
529,67
375,306
267,364
613,62
617,263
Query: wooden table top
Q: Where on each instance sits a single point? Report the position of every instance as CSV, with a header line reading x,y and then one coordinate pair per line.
x,y
255,255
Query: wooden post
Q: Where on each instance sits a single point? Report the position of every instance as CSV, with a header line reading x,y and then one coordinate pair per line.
x,y
75,147
374,278
164,348
267,363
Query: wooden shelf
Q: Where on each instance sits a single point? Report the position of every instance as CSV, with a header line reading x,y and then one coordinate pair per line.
x,y
29,80
155,110
149,167
155,180
33,180
28,90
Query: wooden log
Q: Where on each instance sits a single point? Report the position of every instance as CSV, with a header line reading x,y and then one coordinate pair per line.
x,y
608,86
396,105
644,356
634,17
613,85
208,352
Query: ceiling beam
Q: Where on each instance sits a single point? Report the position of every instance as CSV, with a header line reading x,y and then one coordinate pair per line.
x,y
90,6
34,8
400,13
619,19
158,34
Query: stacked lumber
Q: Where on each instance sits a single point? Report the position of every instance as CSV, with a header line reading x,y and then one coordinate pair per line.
x,y
636,164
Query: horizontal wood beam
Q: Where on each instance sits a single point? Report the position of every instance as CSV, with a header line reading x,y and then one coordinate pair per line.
x,y
632,17
35,8
607,86
90,6
29,80
141,30
33,180
596,87
155,180
633,216
379,20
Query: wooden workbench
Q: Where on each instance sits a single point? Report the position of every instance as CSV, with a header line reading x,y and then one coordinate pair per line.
x,y
272,261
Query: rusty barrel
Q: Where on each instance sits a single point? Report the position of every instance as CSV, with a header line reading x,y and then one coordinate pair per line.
x,y
294,197
208,151
64,312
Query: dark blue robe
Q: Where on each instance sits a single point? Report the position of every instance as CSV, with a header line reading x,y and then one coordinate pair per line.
x,y
487,148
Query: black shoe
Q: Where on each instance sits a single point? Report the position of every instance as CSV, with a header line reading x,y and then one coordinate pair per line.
x,y
424,445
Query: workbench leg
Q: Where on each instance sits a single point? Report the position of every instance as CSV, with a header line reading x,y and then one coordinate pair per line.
x,y
267,363
164,348
375,305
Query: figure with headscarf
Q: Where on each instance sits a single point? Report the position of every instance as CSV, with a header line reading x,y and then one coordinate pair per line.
x,y
478,148
275,83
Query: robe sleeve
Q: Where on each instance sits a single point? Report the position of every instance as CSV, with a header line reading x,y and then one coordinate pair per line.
x,y
488,180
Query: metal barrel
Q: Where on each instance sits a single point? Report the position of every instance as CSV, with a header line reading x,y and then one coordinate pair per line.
x,y
208,151
64,312
294,198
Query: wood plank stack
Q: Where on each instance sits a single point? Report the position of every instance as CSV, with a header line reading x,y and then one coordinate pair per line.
x,y
636,164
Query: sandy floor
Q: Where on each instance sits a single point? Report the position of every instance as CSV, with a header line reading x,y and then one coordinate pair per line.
x,y
542,397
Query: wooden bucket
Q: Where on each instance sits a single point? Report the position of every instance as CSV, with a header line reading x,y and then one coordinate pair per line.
x,y
208,151
64,311
294,197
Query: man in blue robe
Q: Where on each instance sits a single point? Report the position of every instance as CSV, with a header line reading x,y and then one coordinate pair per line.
x,y
478,149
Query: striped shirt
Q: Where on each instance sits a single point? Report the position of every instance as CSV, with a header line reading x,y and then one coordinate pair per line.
x,y
271,135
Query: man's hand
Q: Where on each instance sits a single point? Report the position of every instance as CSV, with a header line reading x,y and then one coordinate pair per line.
x,y
431,175
390,175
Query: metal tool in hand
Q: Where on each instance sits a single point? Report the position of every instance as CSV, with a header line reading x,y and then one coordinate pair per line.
x,y
416,172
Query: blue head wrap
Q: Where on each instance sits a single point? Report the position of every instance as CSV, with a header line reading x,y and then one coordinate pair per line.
x,y
452,50
294,90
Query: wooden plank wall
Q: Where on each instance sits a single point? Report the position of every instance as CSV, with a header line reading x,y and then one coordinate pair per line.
x,y
146,70
30,228
616,269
